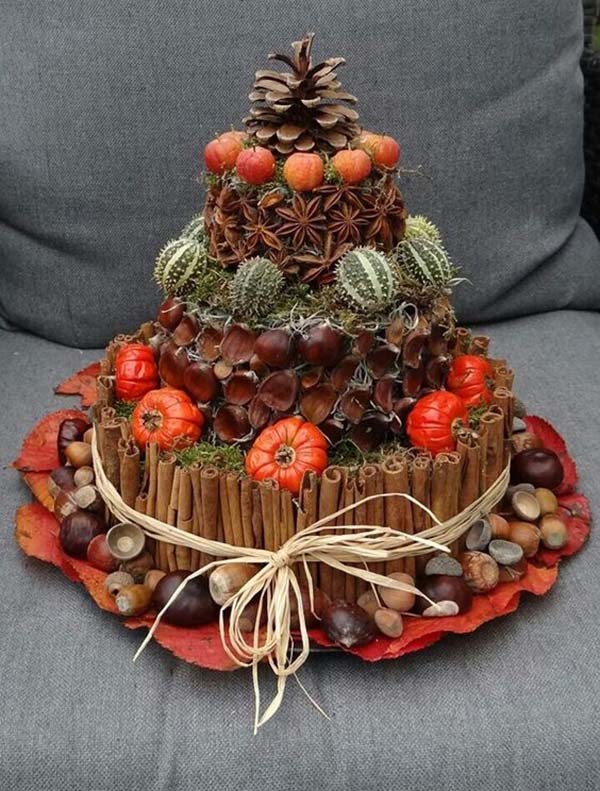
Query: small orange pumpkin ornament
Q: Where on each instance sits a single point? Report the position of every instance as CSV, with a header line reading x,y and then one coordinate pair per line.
x,y
434,419
353,165
167,417
285,451
470,378
136,372
304,172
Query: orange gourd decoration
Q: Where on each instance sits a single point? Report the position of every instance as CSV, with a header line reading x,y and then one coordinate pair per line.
x,y
304,172
470,378
285,451
167,417
136,372
434,421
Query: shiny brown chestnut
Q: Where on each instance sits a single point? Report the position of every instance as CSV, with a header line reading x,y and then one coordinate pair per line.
x,y
77,530
538,466
348,624
98,554
322,345
61,479
442,587
70,430
170,313
311,617
274,347
193,606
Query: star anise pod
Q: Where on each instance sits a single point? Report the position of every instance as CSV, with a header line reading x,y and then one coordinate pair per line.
x,y
335,193
321,265
303,221
346,222
386,215
261,230
286,263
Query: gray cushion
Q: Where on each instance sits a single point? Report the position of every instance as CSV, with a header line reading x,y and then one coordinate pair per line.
x,y
512,706
105,110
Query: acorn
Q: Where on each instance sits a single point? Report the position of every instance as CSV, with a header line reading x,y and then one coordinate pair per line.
x,y
504,552
526,506
61,479
117,580
547,500
479,535
553,531
153,577
527,536
79,454
322,345
139,566
226,580
443,564
193,606
444,587
126,540
70,430
538,466
480,570
389,622
77,530
98,554
500,526
403,601
348,624
64,504
83,476
133,599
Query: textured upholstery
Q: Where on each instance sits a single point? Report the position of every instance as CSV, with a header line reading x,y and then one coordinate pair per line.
x,y
105,108
512,706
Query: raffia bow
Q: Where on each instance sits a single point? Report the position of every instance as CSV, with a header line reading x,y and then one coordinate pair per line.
x,y
272,586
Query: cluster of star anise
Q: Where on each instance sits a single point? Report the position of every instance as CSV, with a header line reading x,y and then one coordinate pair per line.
x,y
305,234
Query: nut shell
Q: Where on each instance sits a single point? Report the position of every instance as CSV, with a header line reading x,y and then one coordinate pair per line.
x,y
443,564
505,552
479,535
526,506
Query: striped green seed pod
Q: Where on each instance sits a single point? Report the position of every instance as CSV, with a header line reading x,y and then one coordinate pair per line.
x,y
365,279
425,261
179,264
417,226
255,288
194,229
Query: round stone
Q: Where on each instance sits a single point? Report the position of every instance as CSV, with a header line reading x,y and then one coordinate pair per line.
x,y
505,552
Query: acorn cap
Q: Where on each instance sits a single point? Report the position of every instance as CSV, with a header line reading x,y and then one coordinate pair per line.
x,y
526,505
125,541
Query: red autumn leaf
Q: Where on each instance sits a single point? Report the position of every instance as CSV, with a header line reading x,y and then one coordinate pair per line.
x,y
38,453
36,531
200,646
576,505
578,532
38,483
83,384
421,632
552,440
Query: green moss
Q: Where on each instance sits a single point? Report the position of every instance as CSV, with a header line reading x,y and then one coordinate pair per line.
x,y
346,454
224,457
124,408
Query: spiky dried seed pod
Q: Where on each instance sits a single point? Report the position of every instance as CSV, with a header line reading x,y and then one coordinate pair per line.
x,y
255,288
194,229
425,261
365,279
418,226
179,264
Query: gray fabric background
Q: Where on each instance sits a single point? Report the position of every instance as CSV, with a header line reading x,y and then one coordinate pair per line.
x,y
106,107
516,705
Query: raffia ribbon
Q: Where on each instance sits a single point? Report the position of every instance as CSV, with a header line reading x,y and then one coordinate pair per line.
x,y
276,580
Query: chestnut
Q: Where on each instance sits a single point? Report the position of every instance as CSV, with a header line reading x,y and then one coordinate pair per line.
x,y
193,606
70,430
64,504
61,479
538,466
274,348
170,313
77,530
311,617
443,587
98,554
322,345
348,624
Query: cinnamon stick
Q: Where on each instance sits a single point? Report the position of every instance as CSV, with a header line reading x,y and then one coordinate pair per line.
x,y
111,434
468,446
350,582
504,377
232,486
330,497
493,420
265,489
172,518
225,509
209,524
246,508
184,518
504,398
420,484
445,483
479,345
257,520
373,478
196,557
151,477
398,514
105,394
308,513
463,341
161,474
130,478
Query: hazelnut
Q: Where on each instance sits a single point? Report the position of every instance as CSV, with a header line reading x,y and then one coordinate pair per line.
x,y
348,625
403,601
79,454
443,564
505,552
82,476
527,536
547,500
225,581
513,573
138,567
553,532
368,602
152,578
87,436
117,580
500,526
133,599
480,570
389,622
